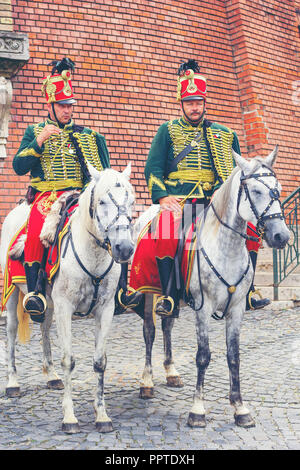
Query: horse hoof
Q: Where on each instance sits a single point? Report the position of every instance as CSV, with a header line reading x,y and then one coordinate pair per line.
x,y
55,384
244,421
13,392
70,428
104,427
174,381
146,392
196,421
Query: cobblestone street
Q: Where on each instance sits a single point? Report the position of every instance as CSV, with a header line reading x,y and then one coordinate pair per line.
x,y
270,371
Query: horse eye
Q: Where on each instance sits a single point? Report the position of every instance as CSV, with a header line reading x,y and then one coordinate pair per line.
x,y
257,192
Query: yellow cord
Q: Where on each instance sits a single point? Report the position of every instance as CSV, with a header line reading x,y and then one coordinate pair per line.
x,y
191,192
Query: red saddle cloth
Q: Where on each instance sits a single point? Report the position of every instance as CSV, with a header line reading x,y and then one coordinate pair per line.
x,y
159,239
14,269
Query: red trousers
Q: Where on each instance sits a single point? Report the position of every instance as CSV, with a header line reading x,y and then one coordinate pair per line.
x,y
34,249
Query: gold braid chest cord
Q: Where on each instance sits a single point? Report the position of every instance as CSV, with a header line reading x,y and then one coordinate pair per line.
x,y
78,154
206,124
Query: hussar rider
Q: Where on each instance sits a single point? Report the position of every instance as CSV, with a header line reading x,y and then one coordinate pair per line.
x,y
54,153
190,157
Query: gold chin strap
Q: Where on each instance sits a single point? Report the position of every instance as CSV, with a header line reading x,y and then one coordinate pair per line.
x,y
254,292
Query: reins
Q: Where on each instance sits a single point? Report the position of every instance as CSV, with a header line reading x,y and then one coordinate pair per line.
x,y
261,219
243,235
231,288
96,280
105,244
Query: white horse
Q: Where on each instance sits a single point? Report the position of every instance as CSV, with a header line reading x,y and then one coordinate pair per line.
x,y
98,240
221,275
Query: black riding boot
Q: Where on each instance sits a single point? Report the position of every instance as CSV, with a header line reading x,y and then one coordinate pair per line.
x,y
34,302
123,301
251,303
167,304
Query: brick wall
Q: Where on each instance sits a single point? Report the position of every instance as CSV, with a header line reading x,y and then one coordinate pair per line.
x,y
6,20
265,41
127,54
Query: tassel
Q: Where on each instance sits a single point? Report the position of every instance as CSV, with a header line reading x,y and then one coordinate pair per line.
x,y
24,323
52,197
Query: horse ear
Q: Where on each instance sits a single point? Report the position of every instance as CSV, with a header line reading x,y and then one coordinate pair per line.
x,y
270,160
95,174
241,162
127,171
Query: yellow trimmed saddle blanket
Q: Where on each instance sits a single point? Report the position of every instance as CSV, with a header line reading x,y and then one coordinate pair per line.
x,y
159,239
14,269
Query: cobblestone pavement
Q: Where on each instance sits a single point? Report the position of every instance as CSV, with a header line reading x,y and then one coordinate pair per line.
x,y
270,371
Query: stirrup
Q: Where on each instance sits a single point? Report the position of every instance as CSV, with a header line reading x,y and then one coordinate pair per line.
x,y
35,305
134,301
130,302
161,309
257,304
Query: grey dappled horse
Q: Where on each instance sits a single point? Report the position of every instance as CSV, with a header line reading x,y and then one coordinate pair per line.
x,y
221,275
99,239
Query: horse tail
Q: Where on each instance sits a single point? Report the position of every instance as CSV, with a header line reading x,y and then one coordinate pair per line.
x,y
24,321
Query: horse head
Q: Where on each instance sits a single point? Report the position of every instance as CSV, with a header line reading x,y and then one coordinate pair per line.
x,y
258,198
110,210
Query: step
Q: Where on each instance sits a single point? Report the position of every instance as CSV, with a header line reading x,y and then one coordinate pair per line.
x,y
284,293
265,278
283,304
265,261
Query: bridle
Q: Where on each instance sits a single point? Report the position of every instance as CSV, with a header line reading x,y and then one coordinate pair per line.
x,y
260,225
262,218
121,211
273,193
105,244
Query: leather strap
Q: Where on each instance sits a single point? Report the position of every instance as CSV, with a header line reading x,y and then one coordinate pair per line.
x,y
184,153
96,280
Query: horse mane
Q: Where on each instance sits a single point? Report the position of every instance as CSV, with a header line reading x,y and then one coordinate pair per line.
x,y
221,197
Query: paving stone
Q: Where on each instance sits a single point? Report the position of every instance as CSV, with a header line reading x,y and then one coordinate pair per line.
x,y
269,383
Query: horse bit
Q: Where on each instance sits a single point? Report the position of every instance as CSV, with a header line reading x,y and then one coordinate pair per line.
x,y
97,280
261,219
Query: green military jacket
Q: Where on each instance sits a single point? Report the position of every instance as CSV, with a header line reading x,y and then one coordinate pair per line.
x,y
210,161
55,165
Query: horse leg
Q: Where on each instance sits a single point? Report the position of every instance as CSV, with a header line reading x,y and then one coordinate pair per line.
x,y
63,316
147,386
233,324
173,378
12,388
103,322
54,382
197,414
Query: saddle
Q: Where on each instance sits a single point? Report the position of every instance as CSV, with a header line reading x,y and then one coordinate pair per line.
x,y
68,203
144,275
51,232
